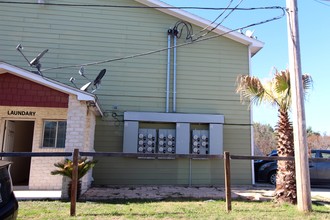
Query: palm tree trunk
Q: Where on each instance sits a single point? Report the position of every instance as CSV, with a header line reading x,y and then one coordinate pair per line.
x,y
286,178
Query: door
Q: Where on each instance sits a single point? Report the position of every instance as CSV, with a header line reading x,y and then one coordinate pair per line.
x,y
18,137
9,138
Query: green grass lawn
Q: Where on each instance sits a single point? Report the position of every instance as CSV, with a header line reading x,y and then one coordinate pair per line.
x,y
167,210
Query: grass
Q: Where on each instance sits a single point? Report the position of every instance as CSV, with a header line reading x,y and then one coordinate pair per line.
x,y
168,210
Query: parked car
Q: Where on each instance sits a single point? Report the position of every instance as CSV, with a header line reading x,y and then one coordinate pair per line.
x,y
8,202
319,170
260,163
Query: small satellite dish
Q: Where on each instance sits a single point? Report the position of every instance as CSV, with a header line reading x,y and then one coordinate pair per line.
x,y
72,79
85,87
249,33
82,73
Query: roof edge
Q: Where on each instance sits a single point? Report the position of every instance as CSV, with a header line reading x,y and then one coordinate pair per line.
x,y
255,44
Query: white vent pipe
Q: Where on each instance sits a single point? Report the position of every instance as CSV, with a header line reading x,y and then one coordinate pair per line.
x,y
169,35
175,33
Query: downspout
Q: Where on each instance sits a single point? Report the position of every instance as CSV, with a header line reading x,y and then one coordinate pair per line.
x,y
169,35
251,120
175,33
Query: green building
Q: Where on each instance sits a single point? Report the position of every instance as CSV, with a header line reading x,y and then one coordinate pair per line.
x,y
168,88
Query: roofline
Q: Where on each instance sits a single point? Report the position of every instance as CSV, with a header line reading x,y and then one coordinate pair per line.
x,y
256,45
81,95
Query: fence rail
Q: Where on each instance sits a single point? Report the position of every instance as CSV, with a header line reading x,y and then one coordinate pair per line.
x,y
75,154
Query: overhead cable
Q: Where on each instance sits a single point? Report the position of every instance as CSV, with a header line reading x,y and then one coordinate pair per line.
x,y
134,7
166,48
231,11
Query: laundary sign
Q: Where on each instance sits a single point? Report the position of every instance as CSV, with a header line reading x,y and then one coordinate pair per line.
x,y
23,113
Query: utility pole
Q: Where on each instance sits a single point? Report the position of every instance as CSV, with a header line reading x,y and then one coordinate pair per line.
x,y
298,110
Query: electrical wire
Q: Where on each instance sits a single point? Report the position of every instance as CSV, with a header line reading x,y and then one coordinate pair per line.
x,y
186,25
166,48
231,1
231,11
122,6
322,2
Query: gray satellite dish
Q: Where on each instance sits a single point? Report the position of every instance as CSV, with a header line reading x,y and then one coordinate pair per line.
x,y
35,62
85,87
98,79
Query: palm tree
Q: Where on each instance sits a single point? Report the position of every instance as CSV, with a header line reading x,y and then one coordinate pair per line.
x,y
277,92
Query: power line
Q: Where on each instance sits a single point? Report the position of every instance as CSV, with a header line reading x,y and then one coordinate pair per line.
x,y
136,7
231,11
322,2
166,48
231,1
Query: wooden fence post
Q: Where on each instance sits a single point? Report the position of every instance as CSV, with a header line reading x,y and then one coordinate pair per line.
x,y
227,181
74,183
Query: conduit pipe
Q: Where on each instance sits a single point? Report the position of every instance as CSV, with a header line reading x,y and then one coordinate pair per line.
x,y
175,34
169,35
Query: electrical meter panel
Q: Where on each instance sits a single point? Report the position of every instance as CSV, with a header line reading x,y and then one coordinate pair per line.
x,y
200,142
147,141
166,141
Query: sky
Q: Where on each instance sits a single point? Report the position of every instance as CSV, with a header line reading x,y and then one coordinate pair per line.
x,y
314,31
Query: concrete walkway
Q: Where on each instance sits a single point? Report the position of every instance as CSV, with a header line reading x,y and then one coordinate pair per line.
x,y
257,193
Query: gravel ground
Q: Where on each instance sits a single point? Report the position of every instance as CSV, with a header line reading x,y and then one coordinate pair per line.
x,y
177,192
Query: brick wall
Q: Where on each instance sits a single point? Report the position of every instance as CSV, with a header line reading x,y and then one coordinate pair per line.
x,y
16,91
80,134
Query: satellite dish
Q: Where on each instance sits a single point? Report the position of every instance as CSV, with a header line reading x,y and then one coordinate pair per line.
x,y
81,71
249,33
72,79
99,77
97,81
85,87
35,62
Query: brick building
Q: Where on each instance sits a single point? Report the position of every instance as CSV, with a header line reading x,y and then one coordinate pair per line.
x,y
32,108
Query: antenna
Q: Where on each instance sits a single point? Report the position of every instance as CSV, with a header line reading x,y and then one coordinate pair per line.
x,y
20,48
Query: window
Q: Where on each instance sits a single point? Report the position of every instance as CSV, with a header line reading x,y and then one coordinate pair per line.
x,y
54,134
325,155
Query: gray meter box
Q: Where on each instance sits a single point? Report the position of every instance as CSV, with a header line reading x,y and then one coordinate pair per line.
x,y
172,141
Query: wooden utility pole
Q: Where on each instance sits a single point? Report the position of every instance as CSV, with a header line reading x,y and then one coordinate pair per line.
x,y
298,110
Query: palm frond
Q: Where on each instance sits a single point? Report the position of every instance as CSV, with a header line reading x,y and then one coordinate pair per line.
x,y
307,82
252,89
65,167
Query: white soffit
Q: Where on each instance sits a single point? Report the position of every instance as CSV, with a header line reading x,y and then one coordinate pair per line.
x,y
255,45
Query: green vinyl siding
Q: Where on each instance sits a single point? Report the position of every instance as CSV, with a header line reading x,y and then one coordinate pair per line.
x,y
206,75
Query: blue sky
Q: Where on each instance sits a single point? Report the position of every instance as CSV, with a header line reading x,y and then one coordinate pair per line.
x,y
314,17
